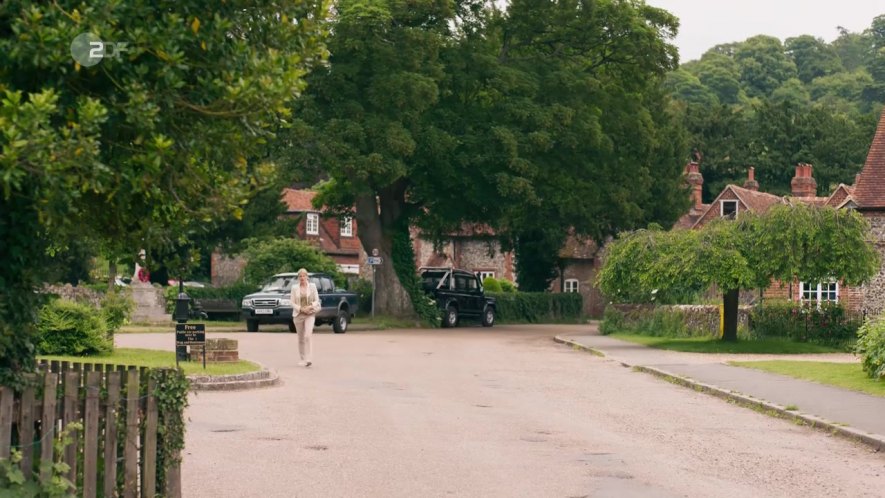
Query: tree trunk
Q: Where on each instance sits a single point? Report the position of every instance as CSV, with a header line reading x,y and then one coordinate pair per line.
x,y
730,302
112,275
376,227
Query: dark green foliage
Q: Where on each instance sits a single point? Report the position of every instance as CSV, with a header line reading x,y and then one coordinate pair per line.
x,y
403,256
828,324
871,347
770,105
538,307
363,290
171,393
506,285
613,321
268,257
69,328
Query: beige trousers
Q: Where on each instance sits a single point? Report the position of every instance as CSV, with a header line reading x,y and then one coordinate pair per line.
x,y
304,327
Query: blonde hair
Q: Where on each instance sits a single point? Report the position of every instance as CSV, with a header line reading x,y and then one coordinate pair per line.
x,y
300,271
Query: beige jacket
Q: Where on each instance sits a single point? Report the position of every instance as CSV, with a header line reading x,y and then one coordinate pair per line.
x,y
313,299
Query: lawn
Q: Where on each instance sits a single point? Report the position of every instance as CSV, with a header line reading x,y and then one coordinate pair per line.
x,y
844,375
711,345
154,358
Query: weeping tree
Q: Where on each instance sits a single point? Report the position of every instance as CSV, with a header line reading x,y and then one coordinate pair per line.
x,y
788,242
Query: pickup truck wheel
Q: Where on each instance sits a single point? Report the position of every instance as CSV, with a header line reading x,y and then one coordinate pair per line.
x,y
340,323
488,316
292,326
252,325
450,319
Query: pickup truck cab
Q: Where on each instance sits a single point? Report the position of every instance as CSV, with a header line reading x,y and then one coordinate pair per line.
x,y
458,293
272,305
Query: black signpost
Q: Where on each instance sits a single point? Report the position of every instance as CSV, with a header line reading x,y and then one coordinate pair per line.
x,y
193,334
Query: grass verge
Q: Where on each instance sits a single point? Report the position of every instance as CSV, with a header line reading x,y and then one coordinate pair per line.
x,y
844,375
712,345
153,358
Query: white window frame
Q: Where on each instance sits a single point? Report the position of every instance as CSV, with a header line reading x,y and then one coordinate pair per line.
x,y
347,226
722,207
817,292
572,285
483,274
312,224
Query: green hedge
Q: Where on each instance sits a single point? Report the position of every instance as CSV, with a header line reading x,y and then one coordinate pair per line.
x,y
69,328
828,324
657,321
538,307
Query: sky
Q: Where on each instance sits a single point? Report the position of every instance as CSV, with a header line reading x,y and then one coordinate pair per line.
x,y
705,23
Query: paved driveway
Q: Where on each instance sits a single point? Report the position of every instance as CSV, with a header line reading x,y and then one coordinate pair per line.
x,y
486,413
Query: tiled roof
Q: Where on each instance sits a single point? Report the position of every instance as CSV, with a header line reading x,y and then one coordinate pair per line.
x,y
758,202
298,200
688,219
869,191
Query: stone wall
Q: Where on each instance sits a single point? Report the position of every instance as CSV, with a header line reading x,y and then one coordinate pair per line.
x,y
702,318
874,291
217,351
79,294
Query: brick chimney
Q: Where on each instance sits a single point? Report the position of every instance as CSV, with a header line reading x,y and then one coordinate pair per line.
x,y
694,178
751,183
803,184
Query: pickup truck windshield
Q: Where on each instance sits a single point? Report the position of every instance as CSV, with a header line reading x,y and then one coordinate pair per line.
x,y
284,284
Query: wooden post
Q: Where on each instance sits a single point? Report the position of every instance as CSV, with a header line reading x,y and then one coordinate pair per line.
x,y
90,443
48,422
26,426
130,453
71,405
149,474
6,395
110,435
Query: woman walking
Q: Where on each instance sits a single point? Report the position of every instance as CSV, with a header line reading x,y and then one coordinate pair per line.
x,y
305,305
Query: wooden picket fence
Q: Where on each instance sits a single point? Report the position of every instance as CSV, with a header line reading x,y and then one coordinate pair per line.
x,y
115,454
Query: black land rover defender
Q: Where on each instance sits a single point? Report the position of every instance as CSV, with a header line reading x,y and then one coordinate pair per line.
x,y
458,293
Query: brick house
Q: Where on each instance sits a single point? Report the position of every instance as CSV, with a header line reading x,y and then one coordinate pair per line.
x,y
475,247
336,237
580,260
867,196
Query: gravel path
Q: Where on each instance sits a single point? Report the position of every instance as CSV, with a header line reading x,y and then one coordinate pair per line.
x,y
486,413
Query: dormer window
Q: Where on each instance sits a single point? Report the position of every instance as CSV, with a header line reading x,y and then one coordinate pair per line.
x,y
312,226
728,209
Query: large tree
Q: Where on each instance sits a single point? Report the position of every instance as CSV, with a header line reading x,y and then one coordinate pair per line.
x,y
788,242
134,149
433,114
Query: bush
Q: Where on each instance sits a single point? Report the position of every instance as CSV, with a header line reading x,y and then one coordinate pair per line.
x,y
266,258
828,324
116,309
612,321
507,286
490,284
538,307
871,347
69,328
659,321
363,290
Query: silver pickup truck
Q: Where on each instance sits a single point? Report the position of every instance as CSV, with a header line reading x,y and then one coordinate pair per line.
x,y
272,305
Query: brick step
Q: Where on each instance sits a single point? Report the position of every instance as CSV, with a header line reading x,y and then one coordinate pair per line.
x,y
253,380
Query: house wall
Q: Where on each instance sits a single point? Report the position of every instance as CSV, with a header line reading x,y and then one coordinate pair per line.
x,y
473,254
584,271
850,297
714,211
874,291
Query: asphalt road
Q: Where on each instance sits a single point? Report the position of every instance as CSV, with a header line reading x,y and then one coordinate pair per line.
x,y
487,413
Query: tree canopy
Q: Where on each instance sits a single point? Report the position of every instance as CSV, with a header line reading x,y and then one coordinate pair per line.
x,y
771,105
788,242
534,120
141,149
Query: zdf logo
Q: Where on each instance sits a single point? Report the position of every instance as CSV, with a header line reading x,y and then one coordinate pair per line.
x,y
88,49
